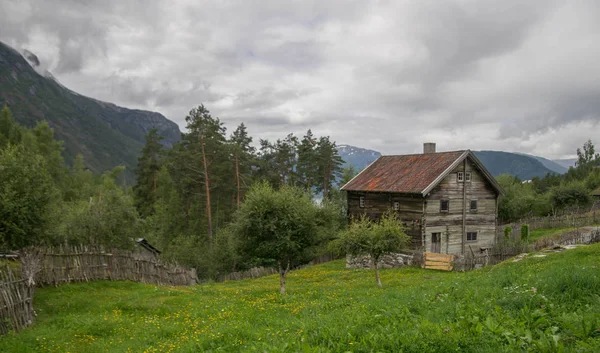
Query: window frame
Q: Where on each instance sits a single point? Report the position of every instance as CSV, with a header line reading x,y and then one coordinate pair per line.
x,y
396,205
361,202
471,233
471,209
460,177
447,206
468,177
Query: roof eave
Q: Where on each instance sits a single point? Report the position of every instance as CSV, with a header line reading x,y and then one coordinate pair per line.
x,y
343,188
441,177
455,164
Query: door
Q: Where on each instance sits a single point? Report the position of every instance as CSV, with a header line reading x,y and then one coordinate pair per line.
x,y
436,242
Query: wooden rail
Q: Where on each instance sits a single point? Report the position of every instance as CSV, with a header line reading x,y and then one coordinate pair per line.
x,y
435,261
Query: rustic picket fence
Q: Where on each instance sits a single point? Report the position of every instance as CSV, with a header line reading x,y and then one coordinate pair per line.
x,y
55,266
502,252
16,301
82,264
588,218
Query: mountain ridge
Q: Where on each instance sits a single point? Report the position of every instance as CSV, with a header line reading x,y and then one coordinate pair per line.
x,y
106,134
521,165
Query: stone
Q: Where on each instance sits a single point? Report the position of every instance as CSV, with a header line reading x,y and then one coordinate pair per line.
x,y
394,260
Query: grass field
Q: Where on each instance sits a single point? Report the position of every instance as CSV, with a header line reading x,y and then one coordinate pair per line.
x,y
544,304
544,233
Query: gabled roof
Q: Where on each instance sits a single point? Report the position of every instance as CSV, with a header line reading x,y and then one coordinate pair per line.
x,y
144,243
413,173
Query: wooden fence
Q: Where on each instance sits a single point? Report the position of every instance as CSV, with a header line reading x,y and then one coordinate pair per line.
x,y
54,266
254,272
16,301
588,218
79,264
502,252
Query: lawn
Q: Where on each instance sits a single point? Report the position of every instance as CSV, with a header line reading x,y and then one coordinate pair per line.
x,y
543,304
544,233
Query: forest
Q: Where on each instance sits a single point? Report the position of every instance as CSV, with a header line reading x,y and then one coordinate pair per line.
x,y
191,203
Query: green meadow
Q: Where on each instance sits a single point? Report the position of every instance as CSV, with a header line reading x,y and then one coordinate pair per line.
x,y
539,304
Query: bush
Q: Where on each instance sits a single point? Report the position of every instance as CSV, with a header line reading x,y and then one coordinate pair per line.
x,y
525,233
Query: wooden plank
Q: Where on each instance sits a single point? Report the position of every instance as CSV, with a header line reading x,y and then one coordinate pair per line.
x,y
447,267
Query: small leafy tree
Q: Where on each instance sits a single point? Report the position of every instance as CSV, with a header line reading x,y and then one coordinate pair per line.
x,y
279,228
373,238
507,233
525,233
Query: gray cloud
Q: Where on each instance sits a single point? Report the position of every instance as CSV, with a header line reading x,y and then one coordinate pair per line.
x,y
511,75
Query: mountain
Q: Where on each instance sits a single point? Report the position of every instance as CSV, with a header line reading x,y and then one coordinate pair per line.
x,y
105,134
552,165
356,156
567,163
497,162
523,166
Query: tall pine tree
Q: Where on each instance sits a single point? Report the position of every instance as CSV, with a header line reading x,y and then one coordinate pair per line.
x,y
146,172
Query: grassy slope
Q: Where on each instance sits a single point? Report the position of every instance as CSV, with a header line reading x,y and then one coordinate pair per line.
x,y
534,304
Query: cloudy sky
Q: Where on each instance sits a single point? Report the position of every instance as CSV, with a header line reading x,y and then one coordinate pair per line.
x,y
507,75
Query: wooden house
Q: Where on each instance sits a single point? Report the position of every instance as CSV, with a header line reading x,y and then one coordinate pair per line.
x,y
447,201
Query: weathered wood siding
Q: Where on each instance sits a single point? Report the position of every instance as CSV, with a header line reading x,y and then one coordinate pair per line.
x,y
450,224
410,212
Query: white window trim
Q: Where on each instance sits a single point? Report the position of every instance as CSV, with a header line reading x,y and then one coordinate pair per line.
x,y
468,177
396,205
361,202
460,177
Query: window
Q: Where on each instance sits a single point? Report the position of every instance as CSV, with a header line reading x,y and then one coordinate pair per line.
x,y
468,176
460,176
444,205
473,205
471,236
396,205
361,202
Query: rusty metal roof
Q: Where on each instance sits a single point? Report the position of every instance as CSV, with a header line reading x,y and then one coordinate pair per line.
x,y
410,174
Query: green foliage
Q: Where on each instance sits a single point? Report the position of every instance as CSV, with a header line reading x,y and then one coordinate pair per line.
x,y
10,131
525,233
552,194
365,236
107,216
507,234
26,195
146,172
570,196
547,304
588,154
280,228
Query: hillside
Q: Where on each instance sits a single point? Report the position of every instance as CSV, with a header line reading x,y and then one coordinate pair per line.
x,y
107,135
356,156
550,164
522,166
497,162
539,304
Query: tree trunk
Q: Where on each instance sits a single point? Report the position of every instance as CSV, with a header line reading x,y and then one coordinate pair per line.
x,y
208,208
237,178
282,272
376,263
282,282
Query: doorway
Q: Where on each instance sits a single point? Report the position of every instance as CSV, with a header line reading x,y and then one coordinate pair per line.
x,y
436,242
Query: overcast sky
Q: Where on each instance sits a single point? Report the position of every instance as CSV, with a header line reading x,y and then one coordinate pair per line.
x,y
507,75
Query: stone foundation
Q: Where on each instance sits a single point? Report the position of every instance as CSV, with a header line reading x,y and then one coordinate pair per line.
x,y
387,261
